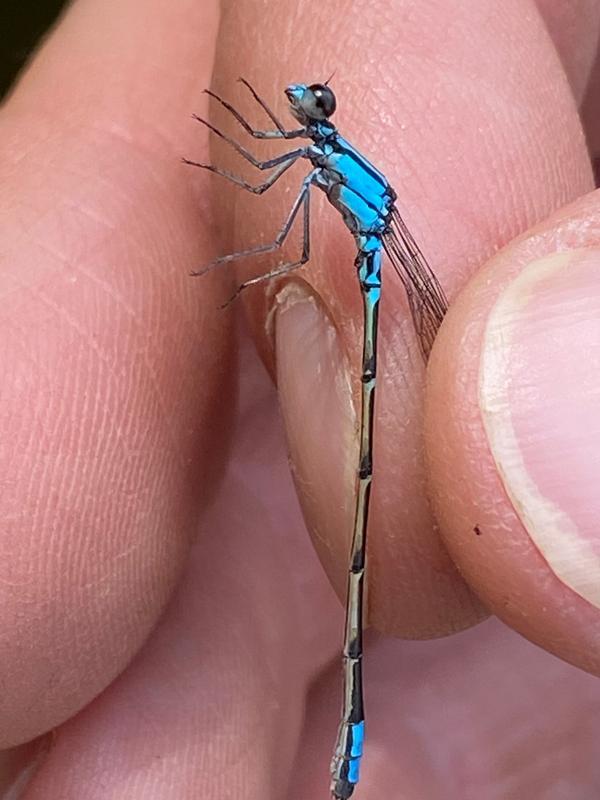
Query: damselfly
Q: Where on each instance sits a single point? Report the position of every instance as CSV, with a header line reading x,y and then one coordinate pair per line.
x,y
366,202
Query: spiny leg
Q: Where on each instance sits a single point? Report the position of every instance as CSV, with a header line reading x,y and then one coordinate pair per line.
x,y
263,105
264,248
280,133
288,266
262,187
246,153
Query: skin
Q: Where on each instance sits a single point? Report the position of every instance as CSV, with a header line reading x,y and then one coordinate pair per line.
x,y
143,485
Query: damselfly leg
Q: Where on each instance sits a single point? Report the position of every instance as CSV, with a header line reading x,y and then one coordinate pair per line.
x,y
256,162
281,164
281,269
239,181
280,133
302,200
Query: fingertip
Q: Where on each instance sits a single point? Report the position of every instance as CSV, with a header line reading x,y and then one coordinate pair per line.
x,y
512,438
414,588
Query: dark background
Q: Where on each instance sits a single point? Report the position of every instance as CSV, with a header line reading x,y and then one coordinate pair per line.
x,y
22,23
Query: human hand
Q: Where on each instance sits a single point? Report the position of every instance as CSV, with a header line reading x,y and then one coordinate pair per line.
x,y
119,404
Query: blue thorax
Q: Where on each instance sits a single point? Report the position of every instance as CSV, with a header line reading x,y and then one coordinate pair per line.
x,y
352,184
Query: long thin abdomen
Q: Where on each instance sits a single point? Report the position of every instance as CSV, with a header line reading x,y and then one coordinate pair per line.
x,y
348,750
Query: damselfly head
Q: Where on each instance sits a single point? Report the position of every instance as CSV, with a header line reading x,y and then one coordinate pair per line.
x,y
313,103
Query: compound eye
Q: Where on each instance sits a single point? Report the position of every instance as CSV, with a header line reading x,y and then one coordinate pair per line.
x,y
321,102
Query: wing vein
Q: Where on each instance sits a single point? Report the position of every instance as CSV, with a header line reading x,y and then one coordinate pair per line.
x,y
426,298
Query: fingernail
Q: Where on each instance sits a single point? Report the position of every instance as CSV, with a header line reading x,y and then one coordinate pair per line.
x,y
320,424
539,394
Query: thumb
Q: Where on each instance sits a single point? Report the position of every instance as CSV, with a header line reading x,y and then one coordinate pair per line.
x,y
513,433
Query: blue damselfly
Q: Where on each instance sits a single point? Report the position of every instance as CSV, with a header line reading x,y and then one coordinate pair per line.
x,y
366,202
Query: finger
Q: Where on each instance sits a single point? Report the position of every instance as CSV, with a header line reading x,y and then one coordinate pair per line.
x,y
111,360
513,436
591,117
478,148
574,27
213,706
17,764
